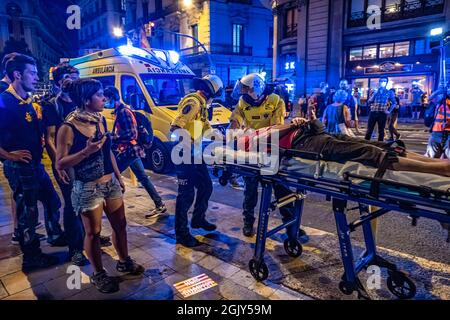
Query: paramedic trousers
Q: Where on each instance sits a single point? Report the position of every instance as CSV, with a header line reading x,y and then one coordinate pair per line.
x,y
191,177
251,199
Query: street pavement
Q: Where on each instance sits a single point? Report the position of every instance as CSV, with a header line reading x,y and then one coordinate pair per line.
x,y
421,252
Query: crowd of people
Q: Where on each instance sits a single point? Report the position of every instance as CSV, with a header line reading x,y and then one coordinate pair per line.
x,y
87,160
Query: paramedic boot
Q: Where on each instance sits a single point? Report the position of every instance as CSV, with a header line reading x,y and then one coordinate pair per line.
x,y
302,236
188,240
203,224
248,229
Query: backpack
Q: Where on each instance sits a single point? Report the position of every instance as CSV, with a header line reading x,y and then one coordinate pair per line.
x,y
145,130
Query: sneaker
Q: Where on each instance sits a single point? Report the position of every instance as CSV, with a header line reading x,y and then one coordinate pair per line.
x,y
104,283
105,241
188,241
15,239
302,236
61,241
205,225
41,236
157,211
41,261
234,183
79,259
247,230
130,266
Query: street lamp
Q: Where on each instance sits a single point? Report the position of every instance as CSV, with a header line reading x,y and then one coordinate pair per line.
x,y
187,3
436,32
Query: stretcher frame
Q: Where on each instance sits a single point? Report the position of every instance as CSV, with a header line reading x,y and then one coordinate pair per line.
x,y
415,201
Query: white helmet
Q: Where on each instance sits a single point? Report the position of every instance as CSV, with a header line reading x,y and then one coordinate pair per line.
x,y
210,83
251,86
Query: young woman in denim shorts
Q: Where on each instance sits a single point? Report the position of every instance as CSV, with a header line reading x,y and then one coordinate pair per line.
x,y
84,145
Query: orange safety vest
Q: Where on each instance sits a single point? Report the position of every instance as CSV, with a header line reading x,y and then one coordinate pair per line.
x,y
440,124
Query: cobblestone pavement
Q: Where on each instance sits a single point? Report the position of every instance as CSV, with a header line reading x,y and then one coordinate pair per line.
x,y
223,257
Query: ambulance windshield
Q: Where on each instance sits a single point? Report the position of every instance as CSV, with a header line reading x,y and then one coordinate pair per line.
x,y
167,90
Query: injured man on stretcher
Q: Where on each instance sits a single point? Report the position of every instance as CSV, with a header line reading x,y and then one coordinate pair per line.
x,y
310,136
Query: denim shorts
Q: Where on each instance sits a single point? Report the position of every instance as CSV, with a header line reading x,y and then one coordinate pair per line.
x,y
89,195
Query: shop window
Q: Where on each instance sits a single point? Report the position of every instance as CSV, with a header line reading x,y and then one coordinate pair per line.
x,y
393,6
402,49
386,50
370,52
355,54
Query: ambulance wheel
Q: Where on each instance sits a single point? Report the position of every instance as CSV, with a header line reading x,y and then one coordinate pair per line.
x,y
293,248
400,285
259,271
159,158
346,287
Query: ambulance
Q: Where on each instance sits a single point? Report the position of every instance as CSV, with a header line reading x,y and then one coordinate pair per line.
x,y
150,81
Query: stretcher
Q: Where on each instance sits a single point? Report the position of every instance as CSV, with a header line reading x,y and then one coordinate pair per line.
x,y
304,172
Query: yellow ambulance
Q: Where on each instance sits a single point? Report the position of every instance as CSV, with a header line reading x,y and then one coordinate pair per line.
x,y
151,81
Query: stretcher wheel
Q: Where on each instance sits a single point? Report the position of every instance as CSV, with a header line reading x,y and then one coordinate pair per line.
x,y
346,287
400,285
259,271
223,181
293,248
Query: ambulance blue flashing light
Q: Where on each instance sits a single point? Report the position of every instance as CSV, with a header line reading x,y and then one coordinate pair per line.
x,y
174,56
132,51
160,54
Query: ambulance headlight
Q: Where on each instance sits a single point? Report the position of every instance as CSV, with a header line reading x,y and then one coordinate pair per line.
x,y
174,56
132,51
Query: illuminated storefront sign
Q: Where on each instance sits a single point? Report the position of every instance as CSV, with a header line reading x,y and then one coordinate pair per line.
x,y
389,67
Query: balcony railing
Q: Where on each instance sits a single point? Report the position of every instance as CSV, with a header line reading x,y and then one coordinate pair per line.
x,y
405,10
219,49
231,50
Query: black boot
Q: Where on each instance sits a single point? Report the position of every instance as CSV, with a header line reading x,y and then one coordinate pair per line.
x,y
205,225
248,229
188,241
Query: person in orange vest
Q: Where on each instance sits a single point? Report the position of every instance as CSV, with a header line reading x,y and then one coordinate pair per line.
x,y
439,142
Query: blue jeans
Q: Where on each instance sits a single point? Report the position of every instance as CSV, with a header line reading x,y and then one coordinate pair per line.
x,y
73,225
138,169
437,146
191,177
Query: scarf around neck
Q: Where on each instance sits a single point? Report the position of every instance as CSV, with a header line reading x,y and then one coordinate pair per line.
x,y
85,117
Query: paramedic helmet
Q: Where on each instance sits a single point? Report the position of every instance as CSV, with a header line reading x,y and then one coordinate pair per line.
x,y
211,84
252,89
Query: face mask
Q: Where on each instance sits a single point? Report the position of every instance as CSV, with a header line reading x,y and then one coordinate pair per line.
x,y
109,104
383,84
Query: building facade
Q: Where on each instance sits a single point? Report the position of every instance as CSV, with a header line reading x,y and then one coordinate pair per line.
x,y
30,25
360,40
98,20
237,34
